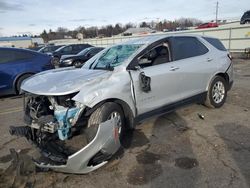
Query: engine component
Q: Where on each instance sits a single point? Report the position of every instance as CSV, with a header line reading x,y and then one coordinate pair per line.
x,y
65,118
37,106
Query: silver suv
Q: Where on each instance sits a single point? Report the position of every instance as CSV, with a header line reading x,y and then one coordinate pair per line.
x,y
116,89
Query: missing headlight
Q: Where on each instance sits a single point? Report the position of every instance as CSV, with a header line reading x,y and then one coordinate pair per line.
x,y
66,100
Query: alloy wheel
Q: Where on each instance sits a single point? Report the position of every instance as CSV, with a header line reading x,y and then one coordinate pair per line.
x,y
218,92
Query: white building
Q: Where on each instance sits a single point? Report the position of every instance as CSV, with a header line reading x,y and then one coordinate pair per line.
x,y
18,42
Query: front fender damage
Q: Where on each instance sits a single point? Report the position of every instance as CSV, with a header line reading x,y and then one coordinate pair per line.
x,y
58,128
106,140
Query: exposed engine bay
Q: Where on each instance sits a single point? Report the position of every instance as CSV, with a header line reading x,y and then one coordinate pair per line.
x,y
52,114
57,125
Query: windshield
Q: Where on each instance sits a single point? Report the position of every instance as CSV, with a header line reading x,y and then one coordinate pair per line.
x,y
115,56
60,48
83,52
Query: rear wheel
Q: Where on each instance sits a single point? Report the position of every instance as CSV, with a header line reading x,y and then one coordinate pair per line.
x,y
217,93
106,112
20,81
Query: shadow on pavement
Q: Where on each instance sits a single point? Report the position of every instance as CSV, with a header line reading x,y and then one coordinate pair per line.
x,y
168,161
10,97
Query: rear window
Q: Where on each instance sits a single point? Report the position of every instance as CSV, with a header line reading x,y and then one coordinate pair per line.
x,y
216,43
186,47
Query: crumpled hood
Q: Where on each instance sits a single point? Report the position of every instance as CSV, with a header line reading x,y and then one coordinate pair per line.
x,y
62,81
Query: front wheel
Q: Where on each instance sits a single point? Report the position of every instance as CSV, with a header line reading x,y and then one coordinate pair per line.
x,y
77,64
106,112
217,93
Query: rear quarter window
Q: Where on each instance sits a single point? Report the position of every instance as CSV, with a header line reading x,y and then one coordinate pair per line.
x,y
186,47
216,43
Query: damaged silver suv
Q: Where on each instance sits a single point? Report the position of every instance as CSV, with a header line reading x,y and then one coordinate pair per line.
x,y
78,118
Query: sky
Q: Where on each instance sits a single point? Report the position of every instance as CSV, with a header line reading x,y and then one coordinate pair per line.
x,y
33,16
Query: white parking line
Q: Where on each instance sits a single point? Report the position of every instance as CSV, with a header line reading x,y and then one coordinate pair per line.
x,y
11,110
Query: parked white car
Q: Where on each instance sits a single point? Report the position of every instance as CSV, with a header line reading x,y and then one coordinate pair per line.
x,y
116,89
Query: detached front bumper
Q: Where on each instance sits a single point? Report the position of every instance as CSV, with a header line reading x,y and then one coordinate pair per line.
x,y
105,143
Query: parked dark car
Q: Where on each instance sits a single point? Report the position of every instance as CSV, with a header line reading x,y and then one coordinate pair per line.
x,y
37,48
245,18
68,49
49,49
207,25
79,59
18,64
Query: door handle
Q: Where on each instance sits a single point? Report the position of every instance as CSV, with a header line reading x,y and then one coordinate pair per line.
x,y
209,59
174,68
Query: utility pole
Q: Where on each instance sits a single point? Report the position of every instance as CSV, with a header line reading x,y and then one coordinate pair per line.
x,y
217,7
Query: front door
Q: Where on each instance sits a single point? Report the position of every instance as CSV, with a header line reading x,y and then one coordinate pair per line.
x,y
157,80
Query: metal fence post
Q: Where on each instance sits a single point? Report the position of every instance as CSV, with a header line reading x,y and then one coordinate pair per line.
x,y
229,39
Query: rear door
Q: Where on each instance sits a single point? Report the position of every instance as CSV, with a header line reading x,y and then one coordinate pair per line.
x,y
5,73
13,63
194,63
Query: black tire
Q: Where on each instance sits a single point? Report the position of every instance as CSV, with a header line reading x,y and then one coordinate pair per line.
x,y
102,114
77,64
19,82
56,60
211,100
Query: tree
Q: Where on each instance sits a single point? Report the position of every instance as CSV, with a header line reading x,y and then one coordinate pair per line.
x,y
144,24
45,36
110,30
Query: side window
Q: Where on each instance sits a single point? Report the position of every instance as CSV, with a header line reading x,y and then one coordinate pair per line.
x,y
94,51
157,55
22,55
5,56
11,55
67,49
216,43
186,47
76,47
46,49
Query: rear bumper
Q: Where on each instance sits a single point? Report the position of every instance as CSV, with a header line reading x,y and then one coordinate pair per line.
x,y
230,74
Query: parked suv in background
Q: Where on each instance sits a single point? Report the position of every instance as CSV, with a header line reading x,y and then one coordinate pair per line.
x,y
245,18
79,59
113,91
68,49
19,64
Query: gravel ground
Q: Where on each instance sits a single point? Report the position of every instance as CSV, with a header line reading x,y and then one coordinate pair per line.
x,y
174,150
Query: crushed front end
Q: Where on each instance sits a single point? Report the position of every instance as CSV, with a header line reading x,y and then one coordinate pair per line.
x,y
56,125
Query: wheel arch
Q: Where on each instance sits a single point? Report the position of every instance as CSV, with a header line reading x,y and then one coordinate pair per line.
x,y
221,74
128,113
18,77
